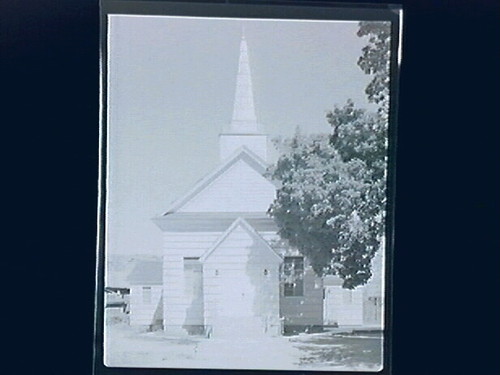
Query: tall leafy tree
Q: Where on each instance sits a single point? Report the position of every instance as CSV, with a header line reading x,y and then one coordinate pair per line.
x,y
375,60
331,202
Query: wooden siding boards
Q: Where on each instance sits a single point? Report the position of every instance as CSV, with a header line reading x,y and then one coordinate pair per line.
x,y
141,312
374,286
307,309
249,159
196,222
343,306
373,295
193,290
225,193
182,306
178,245
236,285
364,307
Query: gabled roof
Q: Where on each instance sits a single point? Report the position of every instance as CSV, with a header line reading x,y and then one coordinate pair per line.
x,y
213,221
240,222
243,153
146,272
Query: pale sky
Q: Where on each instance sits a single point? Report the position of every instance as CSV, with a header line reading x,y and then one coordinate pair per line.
x,y
171,90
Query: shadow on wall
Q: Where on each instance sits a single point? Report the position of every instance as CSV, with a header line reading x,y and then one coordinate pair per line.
x,y
193,284
157,321
262,269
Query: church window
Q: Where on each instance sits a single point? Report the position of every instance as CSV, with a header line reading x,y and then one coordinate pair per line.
x,y
293,277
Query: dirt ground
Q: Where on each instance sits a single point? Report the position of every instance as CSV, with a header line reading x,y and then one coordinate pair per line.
x,y
129,347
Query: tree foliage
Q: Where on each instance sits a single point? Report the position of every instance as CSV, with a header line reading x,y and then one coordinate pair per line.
x,y
375,60
331,202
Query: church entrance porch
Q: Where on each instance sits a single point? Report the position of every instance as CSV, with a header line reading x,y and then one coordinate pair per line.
x,y
241,284
238,309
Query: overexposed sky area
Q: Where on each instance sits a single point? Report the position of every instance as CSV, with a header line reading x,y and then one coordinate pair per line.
x,y
171,89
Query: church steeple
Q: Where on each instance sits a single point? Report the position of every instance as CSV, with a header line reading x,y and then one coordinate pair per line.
x,y
244,119
244,130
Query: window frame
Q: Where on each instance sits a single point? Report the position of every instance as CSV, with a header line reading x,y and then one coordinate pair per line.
x,y
297,288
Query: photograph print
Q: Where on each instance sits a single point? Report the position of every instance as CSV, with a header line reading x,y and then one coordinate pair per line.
x,y
246,201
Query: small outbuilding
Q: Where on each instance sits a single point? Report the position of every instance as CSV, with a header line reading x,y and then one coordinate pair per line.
x,y
146,289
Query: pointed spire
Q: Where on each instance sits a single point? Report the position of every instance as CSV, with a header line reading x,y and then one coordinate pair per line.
x,y
244,119
244,131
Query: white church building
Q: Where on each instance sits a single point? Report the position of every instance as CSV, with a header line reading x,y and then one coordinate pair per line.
x,y
224,270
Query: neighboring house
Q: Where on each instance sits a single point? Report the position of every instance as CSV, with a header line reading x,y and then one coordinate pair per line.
x,y
146,288
362,306
223,271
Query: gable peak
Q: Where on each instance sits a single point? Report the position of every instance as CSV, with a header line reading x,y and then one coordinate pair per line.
x,y
243,224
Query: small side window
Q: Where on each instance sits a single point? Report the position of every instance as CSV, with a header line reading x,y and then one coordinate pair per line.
x,y
293,277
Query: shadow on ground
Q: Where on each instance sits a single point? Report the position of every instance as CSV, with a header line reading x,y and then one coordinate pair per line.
x,y
341,350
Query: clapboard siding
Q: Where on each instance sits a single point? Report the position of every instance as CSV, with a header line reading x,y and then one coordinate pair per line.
x,y
235,284
235,258
270,236
231,262
178,245
374,286
192,237
343,306
141,312
181,306
307,309
239,189
373,296
177,300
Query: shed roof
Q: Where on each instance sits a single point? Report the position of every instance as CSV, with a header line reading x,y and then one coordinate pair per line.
x,y
146,272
